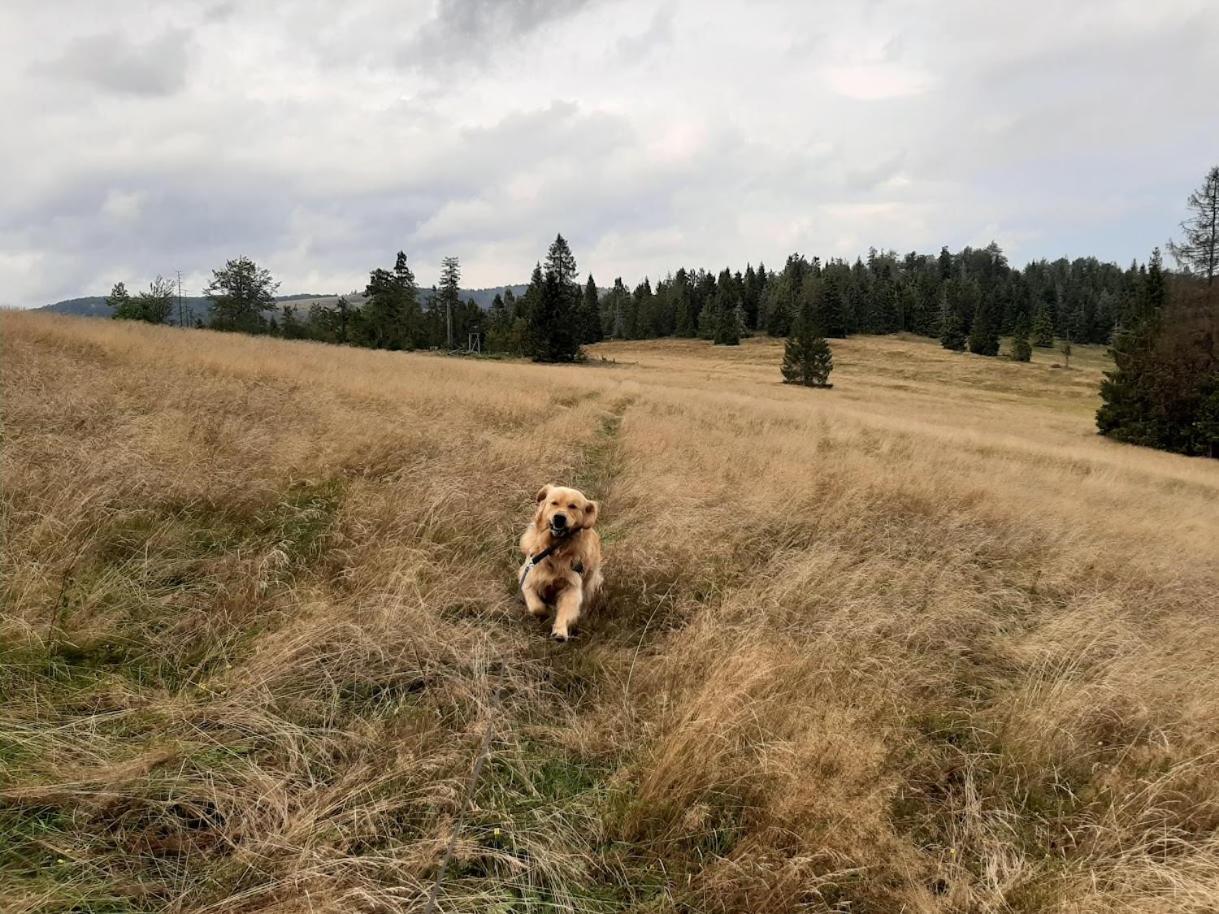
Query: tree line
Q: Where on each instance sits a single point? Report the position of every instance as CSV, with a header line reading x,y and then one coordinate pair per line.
x,y
1164,391
966,299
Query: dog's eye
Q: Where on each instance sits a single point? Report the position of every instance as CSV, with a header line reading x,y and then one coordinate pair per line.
x,y
573,507
554,503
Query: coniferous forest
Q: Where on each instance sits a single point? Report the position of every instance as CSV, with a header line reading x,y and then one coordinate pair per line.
x,y
968,299
1160,324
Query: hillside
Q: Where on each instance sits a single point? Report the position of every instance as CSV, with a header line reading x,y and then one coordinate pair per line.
x,y
920,643
201,308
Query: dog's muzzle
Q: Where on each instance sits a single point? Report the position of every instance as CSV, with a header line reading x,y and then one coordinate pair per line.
x,y
558,525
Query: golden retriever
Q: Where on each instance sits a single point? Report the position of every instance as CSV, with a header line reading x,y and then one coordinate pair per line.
x,y
562,557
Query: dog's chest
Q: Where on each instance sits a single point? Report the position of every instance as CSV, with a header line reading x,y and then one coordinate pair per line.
x,y
553,573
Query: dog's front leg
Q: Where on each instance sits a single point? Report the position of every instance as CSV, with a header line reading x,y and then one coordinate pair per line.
x,y
533,600
567,610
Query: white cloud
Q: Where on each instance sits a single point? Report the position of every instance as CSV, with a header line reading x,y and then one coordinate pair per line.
x,y
123,207
875,81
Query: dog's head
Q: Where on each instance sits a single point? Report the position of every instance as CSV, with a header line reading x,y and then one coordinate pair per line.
x,y
563,511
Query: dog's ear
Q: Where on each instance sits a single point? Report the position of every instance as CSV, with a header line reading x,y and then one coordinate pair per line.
x,y
542,493
590,514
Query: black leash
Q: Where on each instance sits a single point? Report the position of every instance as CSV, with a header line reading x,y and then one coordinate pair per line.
x,y
535,560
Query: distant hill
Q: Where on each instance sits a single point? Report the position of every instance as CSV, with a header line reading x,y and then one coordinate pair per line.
x,y
199,307
95,306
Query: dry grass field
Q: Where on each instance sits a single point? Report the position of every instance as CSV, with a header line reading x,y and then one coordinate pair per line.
x,y
920,643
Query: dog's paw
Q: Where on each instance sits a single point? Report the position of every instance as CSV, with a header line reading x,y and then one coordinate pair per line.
x,y
560,636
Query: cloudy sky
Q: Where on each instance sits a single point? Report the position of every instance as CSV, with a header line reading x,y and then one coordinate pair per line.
x,y
320,137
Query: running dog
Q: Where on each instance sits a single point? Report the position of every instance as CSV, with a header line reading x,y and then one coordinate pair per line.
x,y
562,557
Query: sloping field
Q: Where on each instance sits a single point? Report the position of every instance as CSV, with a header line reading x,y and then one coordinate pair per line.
x,y
920,643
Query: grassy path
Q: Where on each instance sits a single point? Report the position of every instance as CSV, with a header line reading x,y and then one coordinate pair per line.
x,y
533,836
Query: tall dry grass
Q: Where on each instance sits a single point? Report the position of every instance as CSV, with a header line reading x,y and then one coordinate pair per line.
x,y
919,643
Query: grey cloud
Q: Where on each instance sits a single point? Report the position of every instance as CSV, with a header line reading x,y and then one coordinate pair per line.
x,y
660,32
471,30
219,12
867,177
114,62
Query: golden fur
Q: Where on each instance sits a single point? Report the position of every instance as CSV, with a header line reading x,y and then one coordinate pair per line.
x,y
570,577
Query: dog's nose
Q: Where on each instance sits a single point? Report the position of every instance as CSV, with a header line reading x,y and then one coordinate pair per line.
x,y
559,520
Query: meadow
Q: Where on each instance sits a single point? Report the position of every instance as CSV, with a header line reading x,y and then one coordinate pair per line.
x,y
923,642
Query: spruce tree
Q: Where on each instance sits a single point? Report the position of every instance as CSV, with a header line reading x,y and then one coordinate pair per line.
x,y
616,305
984,334
391,318
831,297
637,308
554,331
528,304
1128,412
807,359
752,297
683,305
590,313
120,301
408,296
1155,286
945,265
952,330
728,321
709,319
561,263
782,299
1022,351
953,333
1043,328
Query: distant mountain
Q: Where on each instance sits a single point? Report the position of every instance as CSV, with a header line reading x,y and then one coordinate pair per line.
x,y
201,308
483,297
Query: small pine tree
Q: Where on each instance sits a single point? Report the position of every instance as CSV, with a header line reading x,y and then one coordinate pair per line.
x,y
119,300
807,359
1022,351
1043,328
